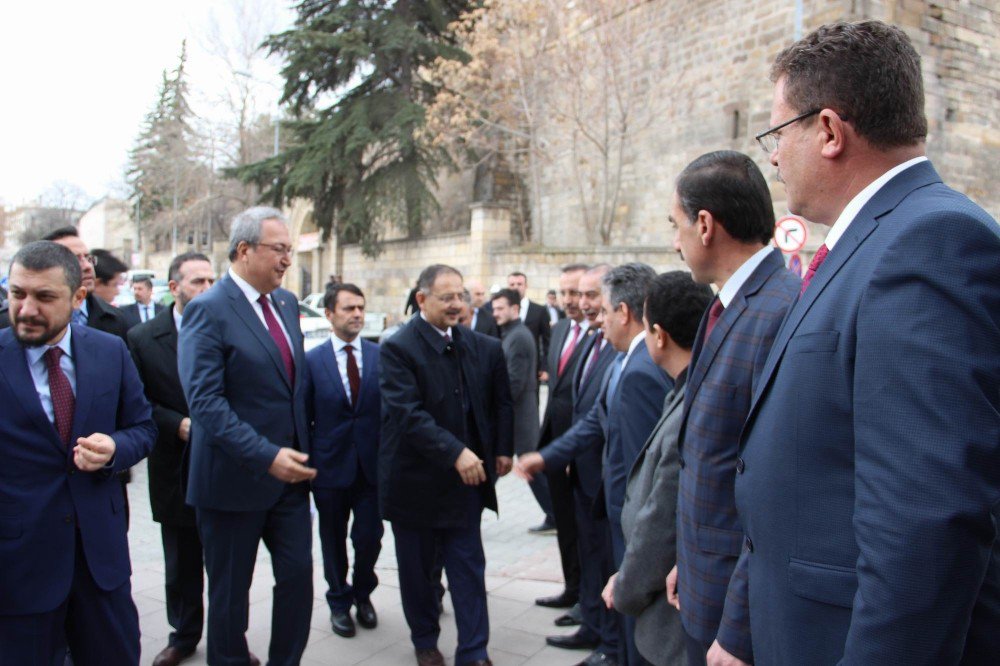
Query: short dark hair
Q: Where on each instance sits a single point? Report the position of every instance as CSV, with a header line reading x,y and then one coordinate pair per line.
x,y
61,232
677,303
867,72
731,187
627,284
550,292
174,272
143,280
429,276
509,295
43,255
333,291
107,266
518,274
573,268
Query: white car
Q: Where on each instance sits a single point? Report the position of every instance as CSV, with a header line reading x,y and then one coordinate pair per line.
x,y
315,327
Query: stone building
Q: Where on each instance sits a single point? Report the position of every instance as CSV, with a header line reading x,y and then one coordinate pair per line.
x,y
710,61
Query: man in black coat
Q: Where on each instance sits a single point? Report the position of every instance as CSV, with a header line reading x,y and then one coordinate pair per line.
x,y
446,436
535,317
154,350
144,308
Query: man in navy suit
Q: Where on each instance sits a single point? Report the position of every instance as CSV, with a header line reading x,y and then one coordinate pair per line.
x,y
344,404
243,371
870,472
73,416
447,424
144,308
627,411
723,220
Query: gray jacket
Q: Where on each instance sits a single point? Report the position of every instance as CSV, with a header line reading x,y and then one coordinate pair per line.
x,y
522,368
649,523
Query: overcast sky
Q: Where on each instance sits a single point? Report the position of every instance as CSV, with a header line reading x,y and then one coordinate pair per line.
x,y
77,78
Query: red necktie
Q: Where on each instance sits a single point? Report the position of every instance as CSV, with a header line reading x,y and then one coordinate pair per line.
x,y
353,376
274,328
817,259
714,313
570,348
595,352
63,400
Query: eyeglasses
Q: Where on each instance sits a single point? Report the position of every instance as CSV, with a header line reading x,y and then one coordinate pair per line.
x,y
769,138
448,298
89,258
279,248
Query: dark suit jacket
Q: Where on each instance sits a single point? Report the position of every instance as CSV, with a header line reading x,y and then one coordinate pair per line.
x,y
44,499
130,313
425,425
718,398
521,356
343,436
154,350
485,323
243,405
559,409
649,524
871,470
100,315
537,321
587,467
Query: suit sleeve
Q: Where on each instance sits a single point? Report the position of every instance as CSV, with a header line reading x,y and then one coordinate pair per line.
x,y
402,402
201,359
503,406
642,395
135,431
926,424
585,434
520,361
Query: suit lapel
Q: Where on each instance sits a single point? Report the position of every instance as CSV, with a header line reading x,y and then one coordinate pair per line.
x,y
241,306
87,380
14,370
329,358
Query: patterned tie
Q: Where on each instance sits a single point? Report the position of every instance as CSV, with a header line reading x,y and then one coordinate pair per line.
x,y
274,328
63,400
353,376
595,353
714,313
817,259
570,348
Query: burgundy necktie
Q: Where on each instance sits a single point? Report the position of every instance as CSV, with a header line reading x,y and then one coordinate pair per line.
x,y
570,348
714,313
353,376
598,341
63,400
274,328
817,259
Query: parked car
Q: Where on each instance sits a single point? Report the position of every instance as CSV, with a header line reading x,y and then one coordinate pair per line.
x,y
314,300
315,327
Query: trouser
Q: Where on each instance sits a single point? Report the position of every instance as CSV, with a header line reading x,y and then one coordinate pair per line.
x,y
594,543
185,584
564,510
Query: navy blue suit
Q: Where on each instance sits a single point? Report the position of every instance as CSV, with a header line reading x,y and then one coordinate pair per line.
x,y
64,560
438,398
345,441
871,476
709,536
244,407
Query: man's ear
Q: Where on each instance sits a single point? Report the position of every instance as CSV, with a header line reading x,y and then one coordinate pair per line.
x,y
706,226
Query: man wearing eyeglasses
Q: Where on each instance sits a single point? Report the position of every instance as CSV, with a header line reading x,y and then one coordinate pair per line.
x,y
868,479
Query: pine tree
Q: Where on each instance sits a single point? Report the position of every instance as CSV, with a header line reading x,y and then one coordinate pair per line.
x,y
355,86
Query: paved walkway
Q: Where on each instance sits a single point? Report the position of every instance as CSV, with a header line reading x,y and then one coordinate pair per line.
x,y
519,568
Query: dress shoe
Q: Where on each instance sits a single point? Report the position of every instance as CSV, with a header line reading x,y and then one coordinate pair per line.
x,y
598,659
171,656
254,661
367,617
342,624
575,641
429,657
547,527
571,618
562,600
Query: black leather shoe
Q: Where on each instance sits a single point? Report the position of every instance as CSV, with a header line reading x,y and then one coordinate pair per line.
x,y
572,618
342,624
598,659
367,617
547,527
171,656
572,642
429,657
562,600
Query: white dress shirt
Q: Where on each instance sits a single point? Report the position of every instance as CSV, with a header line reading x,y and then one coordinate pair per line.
x,y
40,372
581,334
442,333
146,312
524,308
252,296
178,318
736,280
636,341
341,355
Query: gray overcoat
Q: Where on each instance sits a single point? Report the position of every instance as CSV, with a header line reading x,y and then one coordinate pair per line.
x,y
522,368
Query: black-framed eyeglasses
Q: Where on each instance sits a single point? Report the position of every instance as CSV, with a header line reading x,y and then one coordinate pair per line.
x,y
768,139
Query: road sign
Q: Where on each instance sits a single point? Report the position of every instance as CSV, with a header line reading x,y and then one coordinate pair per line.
x,y
790,234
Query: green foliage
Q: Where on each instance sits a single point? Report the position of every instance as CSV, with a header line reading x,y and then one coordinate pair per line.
x,y
355,86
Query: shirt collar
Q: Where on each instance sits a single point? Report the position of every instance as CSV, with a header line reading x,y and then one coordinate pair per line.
x,y
736,280
339,344
852,209
442,333
178,318
36,353
524,308
636,341
83,307
248,291
584,325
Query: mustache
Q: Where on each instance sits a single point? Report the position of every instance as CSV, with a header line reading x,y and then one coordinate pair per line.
x,y
31,321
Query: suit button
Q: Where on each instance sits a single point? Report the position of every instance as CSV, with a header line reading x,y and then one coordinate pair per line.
x,y
740,466
456,391
749,545
67,519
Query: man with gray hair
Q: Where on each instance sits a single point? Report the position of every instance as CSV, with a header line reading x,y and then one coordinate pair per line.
x,y
241,360
628,409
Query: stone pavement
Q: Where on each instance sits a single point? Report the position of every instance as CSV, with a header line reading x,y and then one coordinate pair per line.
x,y
519,568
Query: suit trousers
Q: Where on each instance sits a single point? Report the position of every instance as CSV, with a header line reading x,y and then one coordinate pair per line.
x,y
185,584
563,508
461,549
626,622
231,539
335,506
594,544
540,489
100,628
